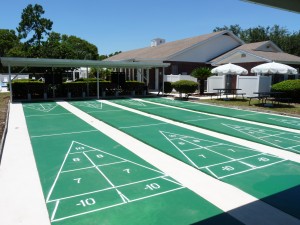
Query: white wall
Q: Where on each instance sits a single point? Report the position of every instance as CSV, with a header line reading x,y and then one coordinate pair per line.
x,y
215,82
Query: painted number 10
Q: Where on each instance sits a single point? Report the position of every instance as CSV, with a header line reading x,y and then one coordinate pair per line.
x,y
87,202
152,186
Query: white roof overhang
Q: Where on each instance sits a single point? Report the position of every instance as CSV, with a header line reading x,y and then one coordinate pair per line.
x,y
43,62
234,57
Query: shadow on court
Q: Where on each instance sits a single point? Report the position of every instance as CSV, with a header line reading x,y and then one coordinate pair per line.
x,y
286,201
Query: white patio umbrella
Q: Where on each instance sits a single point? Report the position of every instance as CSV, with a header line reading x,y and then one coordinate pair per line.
x,y
274,68
229,69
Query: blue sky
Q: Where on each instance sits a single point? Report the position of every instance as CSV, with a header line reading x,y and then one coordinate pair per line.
x,y
121,25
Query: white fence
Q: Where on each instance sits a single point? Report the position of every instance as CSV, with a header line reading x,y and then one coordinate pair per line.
x,y
250,84
174,78
215,82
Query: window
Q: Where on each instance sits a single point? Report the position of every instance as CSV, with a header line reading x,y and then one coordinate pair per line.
x,y
175,69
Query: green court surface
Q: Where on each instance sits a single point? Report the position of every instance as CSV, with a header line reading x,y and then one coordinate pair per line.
x,y
87,178
278,120
274,180
264,135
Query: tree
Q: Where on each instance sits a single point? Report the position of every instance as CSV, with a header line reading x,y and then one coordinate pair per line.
x,y
8,40
235,29
285,40
201,74
52,47
77,48
32,22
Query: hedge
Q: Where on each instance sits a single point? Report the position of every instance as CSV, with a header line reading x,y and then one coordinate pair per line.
x,y
291,88
21,88
130,86
78,87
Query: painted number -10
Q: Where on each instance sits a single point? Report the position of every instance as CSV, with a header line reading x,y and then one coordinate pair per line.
x,y
87,202
152,186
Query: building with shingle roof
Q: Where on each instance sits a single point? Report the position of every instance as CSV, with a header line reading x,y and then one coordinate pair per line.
x,y
183,55
201,51
253,54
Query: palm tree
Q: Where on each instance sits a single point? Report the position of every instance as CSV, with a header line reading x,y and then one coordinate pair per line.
x,y
201,73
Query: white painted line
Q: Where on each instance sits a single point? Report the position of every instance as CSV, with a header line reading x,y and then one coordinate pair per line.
x,y
54,211
85,168
227,117
259,147
109,164
161,193
217,153
146,125
255,168
123,197
79,214
229,161
105,177
57,175
165,178
228,198
244,110
46,115
104,189
205,119
60,134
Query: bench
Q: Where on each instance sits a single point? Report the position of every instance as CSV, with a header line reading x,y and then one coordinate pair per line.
x,y
242,94
282,100
211,94
254,97
233,94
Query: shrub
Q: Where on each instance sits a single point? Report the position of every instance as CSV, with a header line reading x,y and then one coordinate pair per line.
x,y
185,86
22,87
168,87
291,88
78,87
136,86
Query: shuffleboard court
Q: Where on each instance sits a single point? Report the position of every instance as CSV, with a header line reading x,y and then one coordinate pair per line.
x,y
87,178
267,177
268,136
272,119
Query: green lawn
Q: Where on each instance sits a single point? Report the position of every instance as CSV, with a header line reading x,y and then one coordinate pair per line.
x,y
4,98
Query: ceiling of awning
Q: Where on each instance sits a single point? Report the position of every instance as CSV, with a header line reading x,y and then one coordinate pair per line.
x,y
42,62
290,5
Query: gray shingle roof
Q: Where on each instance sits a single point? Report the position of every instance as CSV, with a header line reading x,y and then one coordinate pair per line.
x,y
251,48
164,51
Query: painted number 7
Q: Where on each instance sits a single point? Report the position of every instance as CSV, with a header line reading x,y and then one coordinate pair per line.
x,y
78,180
127,170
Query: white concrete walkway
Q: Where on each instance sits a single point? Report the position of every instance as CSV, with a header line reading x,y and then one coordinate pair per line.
x,y
21,198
